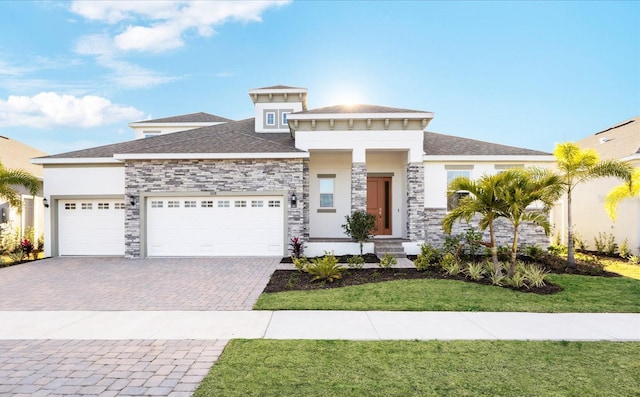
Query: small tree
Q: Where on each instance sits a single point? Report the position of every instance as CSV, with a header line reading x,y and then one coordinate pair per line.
x,y
360,226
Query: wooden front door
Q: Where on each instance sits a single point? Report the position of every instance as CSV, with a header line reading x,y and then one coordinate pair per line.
x,y
379,203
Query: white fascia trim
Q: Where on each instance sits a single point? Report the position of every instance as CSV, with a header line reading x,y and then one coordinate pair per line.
x,y
346,116
192,124
472,159
205,156
79,160
634,156
278,91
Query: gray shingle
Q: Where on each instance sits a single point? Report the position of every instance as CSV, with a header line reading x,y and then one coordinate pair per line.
x,y
200,117
358,108
279,87
448,145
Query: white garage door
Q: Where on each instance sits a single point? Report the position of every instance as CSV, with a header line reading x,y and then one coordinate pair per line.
x,y
220,226
91,227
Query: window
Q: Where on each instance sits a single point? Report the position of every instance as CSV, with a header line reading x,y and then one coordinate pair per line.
x,y
69,206
274,203
452,201
326,192
284,118
103,206
156,204
223,204
86,206
173,204
270,118
150,134
118,206
240,204
189,204
206,204
257,203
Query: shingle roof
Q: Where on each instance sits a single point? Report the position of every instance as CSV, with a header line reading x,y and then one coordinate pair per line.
x,y
279,87
200,117
16,155
231,137
618,141
358,108
448,145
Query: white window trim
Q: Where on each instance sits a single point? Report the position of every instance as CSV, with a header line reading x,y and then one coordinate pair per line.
x,y
266,119
282,118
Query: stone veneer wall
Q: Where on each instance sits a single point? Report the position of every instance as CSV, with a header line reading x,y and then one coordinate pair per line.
x,y
249,175
415,202
358,186
529,234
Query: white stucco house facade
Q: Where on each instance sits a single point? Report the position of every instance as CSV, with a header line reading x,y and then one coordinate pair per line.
x,y
247,187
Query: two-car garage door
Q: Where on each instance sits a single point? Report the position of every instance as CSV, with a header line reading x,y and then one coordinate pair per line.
x,y
215,226
176,226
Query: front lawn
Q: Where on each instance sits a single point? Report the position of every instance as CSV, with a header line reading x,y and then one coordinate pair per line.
x,y
580,294
424,368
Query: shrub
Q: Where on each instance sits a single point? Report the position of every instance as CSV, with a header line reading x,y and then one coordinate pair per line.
x,y
422,263
296,245
557,250
535,276
625,251
472,240
360,226
428,256
356,262
450,264
325,268
475,271
27,247
300,262
387,261
504,253
605,243
497,279
534,252
517,280
634,259
15,257
453,245
579,242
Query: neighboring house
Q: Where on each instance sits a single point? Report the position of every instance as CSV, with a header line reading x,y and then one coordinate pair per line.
x,y
246,187
16,155
620,142
151,128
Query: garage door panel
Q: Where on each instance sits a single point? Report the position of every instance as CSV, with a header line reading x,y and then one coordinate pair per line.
x,y
91,227
228,226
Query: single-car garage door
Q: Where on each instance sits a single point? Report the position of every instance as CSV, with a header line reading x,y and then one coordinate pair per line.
x,y
215,226
91,227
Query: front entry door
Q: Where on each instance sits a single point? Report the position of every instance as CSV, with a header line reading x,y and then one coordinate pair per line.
x,y
379,203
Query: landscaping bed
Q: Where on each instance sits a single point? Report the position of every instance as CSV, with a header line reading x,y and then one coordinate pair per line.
x,y
368,258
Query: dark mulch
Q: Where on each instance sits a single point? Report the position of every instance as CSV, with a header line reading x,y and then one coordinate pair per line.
x,y
293,280
368,258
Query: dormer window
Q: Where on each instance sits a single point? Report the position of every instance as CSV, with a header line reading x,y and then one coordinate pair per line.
x,y
150,134
270,118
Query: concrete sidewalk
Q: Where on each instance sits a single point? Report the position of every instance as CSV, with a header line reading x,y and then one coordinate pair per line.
x,y
210,325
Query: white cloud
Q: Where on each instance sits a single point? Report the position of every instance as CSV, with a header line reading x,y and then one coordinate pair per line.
x,y
48,109
156,26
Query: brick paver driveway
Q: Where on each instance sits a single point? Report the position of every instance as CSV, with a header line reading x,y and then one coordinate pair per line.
x,y
121,367
135,284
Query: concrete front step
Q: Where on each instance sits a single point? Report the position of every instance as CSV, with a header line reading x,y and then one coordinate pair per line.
x,y
393,248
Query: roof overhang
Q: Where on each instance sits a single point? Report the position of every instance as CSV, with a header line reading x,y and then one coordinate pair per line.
x,y
176,124
207,156
633,157
360,116
79,160
495,158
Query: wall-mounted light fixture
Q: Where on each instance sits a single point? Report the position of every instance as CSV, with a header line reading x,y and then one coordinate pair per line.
x,y
294,199
132,200
45,202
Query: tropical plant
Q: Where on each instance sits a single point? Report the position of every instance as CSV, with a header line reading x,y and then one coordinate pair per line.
x,y
9,178
387,262
579,165
625,251
453,245
360,226
300,262
621,192
325,268
473,242
535,276
482,200
522,188
605,243
451,265
27,247
475,271
296,245
427,257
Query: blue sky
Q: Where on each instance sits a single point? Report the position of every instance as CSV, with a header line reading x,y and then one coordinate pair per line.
x,y
529,74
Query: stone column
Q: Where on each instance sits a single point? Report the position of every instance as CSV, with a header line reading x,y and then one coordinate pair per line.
x,y
358,186
415,202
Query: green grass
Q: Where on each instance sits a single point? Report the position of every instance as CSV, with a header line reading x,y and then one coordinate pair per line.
x,y
624,269
581,294
430,368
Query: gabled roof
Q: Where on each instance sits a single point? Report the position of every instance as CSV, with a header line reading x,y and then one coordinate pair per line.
x,y
616,142
448,145
358,108
231,137
279,87
200,117
16,155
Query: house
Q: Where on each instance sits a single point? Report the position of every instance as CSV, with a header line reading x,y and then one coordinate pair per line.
x,y
619,142
16,155
247,187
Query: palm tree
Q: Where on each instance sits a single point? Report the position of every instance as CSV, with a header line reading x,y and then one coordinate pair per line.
x,y
483,200
9,178
579,165
621,192
520,189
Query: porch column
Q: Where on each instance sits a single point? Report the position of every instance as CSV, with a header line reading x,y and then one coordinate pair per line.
x,y
358,181
415,201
